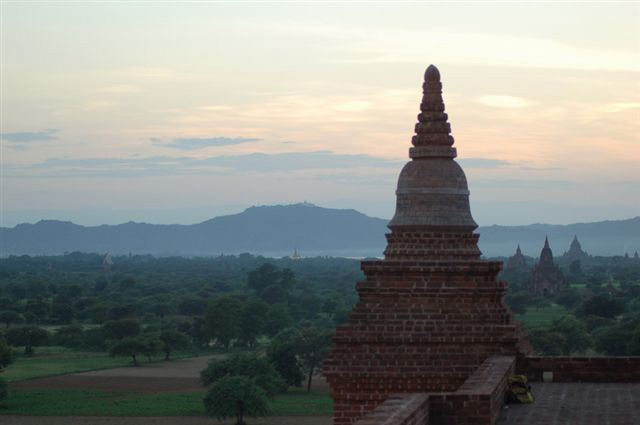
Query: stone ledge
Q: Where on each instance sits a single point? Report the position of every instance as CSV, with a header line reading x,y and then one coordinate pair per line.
x,y
399,409
478,401
580,369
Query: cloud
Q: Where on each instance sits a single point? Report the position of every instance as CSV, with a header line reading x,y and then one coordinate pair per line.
x,y
30,136
193,143
499,101
189,144
483,163
165,165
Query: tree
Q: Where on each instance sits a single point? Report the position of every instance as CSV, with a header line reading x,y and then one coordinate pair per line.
x,y
282,355
311,347
274,294
162,309
222,320
39,308
546,342
192,306
613,340
567,297
9,317
119,329
129,347
69,336
172,340
594,322
518,301
264,276
603,306
256,368
278,319
634,344
577,338
119,312
151,345
252,321
61,313
235,396
29,336
6,357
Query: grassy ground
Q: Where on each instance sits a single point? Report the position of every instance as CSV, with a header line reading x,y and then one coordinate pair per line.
x,y
52,361
542,316
101,403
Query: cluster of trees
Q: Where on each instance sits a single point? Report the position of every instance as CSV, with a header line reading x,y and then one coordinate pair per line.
x,y
241,384
6,357
73,288
603,310
150,306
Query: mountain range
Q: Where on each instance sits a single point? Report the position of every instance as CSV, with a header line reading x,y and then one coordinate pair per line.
x,y
312,230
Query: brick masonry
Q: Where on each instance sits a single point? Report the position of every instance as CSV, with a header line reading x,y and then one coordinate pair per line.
x,y
400,409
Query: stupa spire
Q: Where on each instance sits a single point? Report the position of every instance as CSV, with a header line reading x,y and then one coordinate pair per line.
x,y
546,243
433,131
518,252
432,188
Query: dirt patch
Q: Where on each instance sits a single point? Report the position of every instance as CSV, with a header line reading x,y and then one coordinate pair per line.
x,y
182,368
175,375
106,420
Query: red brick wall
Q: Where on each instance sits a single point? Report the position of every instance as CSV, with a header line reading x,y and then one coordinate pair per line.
x,y
479,400
399,409
581,369
420,326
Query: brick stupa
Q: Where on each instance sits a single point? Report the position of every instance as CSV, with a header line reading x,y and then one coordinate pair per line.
x,y
432,311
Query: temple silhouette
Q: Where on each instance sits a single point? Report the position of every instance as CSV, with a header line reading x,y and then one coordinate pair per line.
x,y
546,276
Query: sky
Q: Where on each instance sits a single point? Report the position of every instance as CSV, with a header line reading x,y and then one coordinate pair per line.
x,y
168,112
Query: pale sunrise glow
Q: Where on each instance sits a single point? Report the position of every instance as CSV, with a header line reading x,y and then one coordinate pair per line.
x,y
178,112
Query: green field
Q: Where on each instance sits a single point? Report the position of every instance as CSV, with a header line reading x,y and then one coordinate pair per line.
x,y
52,361
535,317
102,403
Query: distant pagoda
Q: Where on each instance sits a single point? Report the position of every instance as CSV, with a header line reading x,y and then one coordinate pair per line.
x,y
517,262
546,277
575,252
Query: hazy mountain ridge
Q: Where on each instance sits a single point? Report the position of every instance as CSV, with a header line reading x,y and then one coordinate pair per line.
x,y
278,230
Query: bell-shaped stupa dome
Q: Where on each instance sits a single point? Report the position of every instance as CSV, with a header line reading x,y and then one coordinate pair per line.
x,y
432,188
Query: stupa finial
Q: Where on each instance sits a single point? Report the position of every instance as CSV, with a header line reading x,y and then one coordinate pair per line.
x,y
432,74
